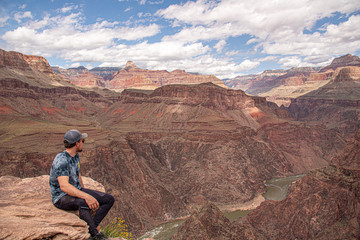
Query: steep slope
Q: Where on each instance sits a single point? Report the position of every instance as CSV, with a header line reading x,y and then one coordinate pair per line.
x,y
80,77
247,81
322,205
105,72
161,153
337,104
281,86
343,61
349,157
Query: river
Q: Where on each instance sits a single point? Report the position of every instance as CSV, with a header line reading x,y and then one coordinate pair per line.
x,y
277,189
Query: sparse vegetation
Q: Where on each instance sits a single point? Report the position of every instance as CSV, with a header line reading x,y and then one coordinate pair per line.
x,y
117,228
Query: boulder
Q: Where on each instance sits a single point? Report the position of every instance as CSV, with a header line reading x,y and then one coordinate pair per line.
x,y
27,212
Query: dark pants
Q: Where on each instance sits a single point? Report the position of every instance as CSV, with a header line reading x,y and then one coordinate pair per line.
x,y
105,200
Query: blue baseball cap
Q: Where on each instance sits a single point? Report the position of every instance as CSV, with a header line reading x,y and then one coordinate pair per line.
x,y
74,136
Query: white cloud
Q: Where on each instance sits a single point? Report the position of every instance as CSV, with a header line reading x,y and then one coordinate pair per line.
x,y
53,35
75,65
276,27
19,16
3,20
338,39
68,8
291,61
220,45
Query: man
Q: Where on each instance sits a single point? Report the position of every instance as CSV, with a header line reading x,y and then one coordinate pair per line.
x,y
67,188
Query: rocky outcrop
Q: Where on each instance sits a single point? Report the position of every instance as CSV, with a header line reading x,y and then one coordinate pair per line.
x,y
347,60
336,104
133,77
105,72
33,70
281,86
322,205
27,211
246,82
349,157
208,223
80,77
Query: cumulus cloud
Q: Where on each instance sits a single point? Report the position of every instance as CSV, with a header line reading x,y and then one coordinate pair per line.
x,y
276,27
337,39
59,34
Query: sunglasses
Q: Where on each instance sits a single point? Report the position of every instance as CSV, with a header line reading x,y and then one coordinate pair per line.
x,y
83,140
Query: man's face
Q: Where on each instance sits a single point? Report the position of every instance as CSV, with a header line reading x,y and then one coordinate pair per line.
x,y
79,145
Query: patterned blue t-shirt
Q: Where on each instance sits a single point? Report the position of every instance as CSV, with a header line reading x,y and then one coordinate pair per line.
x,y
64,165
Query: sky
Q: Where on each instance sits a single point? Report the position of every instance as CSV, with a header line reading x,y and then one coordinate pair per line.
x,y
225,38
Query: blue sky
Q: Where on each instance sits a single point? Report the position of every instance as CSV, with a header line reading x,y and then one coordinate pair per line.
x,y
225,38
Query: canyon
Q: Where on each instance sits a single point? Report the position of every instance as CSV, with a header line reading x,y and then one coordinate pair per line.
x,y
131,76
281,86
322,205
166,151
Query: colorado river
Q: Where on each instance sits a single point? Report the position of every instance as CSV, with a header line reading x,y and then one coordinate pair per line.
x,y
277,189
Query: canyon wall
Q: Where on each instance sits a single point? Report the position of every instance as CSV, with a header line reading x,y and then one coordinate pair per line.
x,y
162,153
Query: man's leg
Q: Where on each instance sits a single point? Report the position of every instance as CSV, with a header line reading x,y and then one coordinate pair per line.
x,y
105,200
68,202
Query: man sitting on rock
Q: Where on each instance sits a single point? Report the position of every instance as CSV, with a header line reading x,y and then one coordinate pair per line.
x,y
67,188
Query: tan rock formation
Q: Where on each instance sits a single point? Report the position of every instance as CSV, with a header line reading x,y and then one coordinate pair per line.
x,y
80,77
281,86
27,212
336,104
133,77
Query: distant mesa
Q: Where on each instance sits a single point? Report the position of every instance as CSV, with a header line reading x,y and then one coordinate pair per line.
x,y
131,76
347,60
280,86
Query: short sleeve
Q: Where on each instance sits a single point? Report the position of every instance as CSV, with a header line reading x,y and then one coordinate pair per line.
x,y
61,167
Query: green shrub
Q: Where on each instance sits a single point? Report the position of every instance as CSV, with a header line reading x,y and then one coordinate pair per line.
x,y
117,228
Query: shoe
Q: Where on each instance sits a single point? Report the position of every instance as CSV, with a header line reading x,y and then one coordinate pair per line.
x,y
99,236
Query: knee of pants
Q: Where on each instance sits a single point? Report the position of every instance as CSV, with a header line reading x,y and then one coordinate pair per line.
x,y
111,199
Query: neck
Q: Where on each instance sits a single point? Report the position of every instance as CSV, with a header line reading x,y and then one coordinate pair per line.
x,y
71,151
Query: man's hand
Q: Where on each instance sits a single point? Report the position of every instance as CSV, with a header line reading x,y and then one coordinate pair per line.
x,y
73,191
92,202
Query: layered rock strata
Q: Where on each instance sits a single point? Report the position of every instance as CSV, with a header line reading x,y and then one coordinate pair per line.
x,y
281,86
162,153
336,104
133,77
80,77
322,205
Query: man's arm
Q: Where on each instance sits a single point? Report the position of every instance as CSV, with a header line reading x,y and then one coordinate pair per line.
x,y
65,186
81,181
